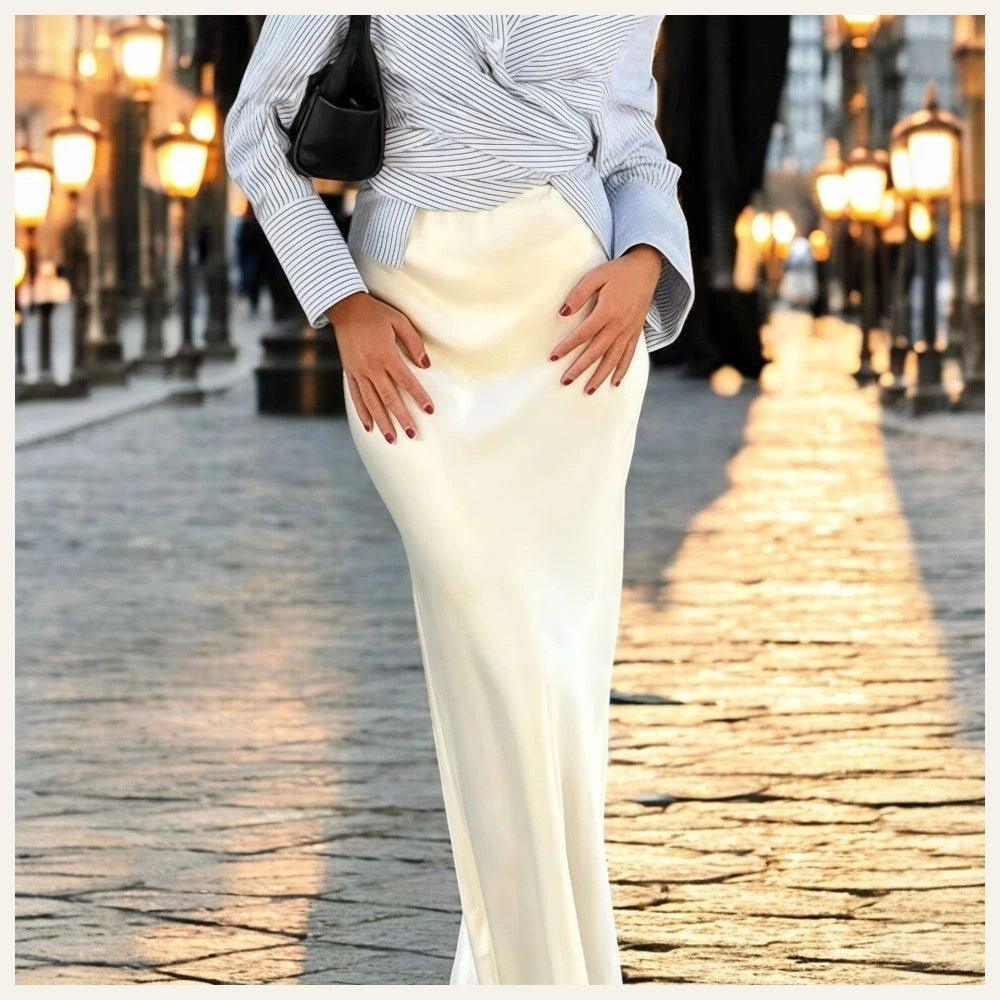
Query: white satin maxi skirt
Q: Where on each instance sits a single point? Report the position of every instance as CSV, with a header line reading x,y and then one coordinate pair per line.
x,y
510,504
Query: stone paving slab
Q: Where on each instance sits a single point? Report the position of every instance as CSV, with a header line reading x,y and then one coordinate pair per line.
x,y
225,771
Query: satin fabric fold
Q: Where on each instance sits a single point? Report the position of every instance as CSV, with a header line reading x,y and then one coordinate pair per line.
x,y
510,506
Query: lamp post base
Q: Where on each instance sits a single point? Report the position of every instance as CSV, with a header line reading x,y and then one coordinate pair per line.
x,y
186,362
152,364
46,387
219,350
106,364
928,395
301,373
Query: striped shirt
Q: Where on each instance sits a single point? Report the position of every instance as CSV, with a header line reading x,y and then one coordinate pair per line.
x,y
479,108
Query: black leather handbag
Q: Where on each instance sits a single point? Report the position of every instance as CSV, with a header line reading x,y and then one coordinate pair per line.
x,y
338,133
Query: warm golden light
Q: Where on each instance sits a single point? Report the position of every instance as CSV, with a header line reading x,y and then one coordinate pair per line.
x,y
20,266
86,64
782,228
204,120
888,209
726,381
860,27
829,183
819,244
931,137
760,229
74,151
32,190
866,179
921,221
139,47
932,159
180,162
899,166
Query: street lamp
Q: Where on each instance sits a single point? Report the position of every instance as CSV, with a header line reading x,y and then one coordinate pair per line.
x,y
138,45
74,153
860,28
20,269
32,194
180,162
829,183
970,66
866,176
931,137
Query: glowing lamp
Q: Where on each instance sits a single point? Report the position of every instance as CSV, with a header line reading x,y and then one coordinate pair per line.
x,y
931,136
782,228
867,176
20,265
180,161
86,64
819,244
204,120
760,229
32,190
860,28
74,151
829,183
139,48
899,166
921,221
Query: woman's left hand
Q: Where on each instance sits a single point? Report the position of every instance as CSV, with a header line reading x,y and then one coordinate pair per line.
x,y
624,289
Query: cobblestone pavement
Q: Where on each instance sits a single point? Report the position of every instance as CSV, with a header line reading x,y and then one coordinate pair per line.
x,y
225,771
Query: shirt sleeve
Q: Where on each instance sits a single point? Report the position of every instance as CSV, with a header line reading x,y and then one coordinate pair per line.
x,y
641,183
300,228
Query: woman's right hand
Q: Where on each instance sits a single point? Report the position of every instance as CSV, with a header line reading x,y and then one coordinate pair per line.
x,y
367,330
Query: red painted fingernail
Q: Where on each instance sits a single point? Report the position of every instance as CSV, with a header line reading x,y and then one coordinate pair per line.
x,y
590,391
390,438
566,381
564,310
410,432
429,408
425,361
368,427
553,357
618,382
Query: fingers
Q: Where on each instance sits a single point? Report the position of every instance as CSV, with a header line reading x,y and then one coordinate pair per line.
x,y
598,345
393,402
587,329
584,289
407,381
606,365
411,341
624,361
364,414
376,408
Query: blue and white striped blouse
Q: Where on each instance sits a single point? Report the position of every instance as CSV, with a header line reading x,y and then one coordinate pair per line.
x,y
480,108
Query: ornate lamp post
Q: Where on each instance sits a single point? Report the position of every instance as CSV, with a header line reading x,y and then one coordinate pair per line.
x,y
20,269
180,161
866,174
931,137
139,45
74,151
970,63
32,194
819,245
830,189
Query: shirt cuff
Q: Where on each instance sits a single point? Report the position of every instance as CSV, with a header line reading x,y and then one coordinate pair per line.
x,y
314,256
644,214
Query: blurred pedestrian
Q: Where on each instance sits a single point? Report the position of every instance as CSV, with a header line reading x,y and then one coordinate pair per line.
x,y
251,250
